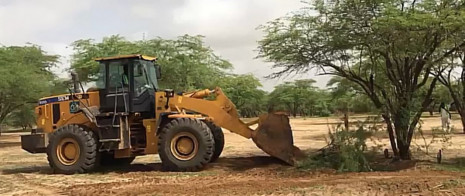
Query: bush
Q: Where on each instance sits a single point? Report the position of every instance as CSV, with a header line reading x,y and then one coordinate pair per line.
x,y
346,152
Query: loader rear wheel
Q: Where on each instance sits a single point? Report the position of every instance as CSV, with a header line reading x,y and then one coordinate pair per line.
x,y
72,149
218,136
185,144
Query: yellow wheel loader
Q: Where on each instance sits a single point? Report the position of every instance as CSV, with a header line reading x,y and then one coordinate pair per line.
x,y
126,115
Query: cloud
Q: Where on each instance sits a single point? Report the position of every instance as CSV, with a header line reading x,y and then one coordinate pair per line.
x,y
229,25
24,21
231,30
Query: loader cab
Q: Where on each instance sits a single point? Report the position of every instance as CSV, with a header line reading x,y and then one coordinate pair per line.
x,y
127,84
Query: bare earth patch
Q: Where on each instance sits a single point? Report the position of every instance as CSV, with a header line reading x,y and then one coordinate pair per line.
x,y
242,169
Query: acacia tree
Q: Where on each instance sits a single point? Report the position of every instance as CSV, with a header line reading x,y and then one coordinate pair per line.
x,y
386,47
23,117
25,77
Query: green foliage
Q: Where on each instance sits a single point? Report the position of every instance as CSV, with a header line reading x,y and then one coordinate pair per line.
x,y
244,92
23,117
26,77
387,48
456,164
346,96
345,152
299,98
438,136
439,95
186,62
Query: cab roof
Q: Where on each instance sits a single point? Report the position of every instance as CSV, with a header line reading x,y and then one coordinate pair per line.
x,y
139,56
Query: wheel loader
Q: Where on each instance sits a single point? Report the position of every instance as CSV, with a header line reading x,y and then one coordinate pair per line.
x,y
126,115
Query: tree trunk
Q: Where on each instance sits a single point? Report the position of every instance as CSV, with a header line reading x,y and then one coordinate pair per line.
x,y
404,151
1,126
392,138
346,120
401,126
462,116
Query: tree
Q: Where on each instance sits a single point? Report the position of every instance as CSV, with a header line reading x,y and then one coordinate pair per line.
x,y
452,76
186,62
348,96
343,94
440,95
23,117
25,77
244,92
388,48
299,98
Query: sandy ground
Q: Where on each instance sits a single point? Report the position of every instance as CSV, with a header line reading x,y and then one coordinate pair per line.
x,y
242,169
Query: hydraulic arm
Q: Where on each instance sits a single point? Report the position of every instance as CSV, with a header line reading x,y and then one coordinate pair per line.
x,y
273,134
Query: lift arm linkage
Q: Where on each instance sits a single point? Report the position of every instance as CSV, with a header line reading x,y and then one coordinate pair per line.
x,y
220,111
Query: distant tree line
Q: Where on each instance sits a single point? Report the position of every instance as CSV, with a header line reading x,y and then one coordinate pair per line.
x,y
187,64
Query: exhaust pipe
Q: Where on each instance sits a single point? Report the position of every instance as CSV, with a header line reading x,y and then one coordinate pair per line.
x,y
75,78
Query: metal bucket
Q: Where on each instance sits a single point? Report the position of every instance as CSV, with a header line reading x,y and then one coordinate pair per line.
x,y
274,136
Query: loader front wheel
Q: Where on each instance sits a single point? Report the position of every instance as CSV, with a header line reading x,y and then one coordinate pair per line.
x,y
185,144
72,149
218,136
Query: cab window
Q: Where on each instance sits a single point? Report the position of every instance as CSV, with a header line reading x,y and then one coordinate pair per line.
x,y
118,76
140,78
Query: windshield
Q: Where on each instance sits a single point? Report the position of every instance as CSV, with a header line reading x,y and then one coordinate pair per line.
x,y
145,76
142,77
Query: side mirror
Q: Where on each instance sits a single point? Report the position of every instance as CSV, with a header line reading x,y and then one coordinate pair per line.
x,y
158,71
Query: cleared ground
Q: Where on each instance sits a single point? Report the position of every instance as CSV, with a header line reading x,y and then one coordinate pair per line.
x,y
243,169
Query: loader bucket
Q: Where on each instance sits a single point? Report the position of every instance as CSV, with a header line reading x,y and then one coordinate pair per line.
x,y
274,136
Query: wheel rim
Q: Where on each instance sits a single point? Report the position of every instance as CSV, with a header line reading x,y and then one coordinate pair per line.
x,y
184,146
68,151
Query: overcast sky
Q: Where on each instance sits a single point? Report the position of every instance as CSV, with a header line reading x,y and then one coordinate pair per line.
x,y
229,26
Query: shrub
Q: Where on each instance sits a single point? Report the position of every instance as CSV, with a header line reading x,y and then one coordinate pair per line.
x,y
346,151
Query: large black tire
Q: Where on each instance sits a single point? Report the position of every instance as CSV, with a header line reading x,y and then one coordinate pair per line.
x,y
83,141
187,129
218,136
108,159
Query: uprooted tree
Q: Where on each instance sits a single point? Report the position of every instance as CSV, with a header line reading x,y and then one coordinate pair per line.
x,y
386,47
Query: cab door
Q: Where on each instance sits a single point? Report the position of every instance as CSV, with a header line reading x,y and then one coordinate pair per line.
x,y
117,89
